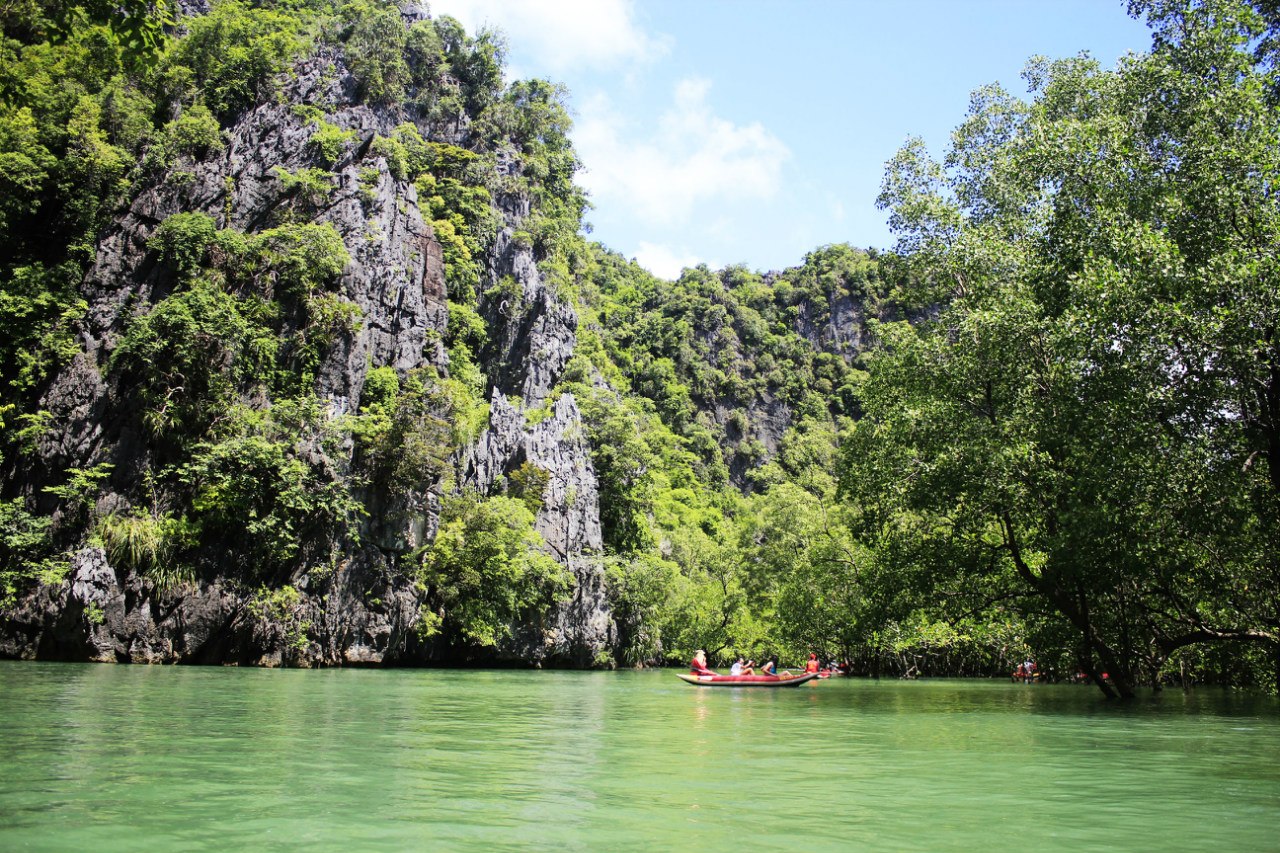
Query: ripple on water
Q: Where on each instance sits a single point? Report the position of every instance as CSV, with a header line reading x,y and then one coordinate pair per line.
x,y
111,758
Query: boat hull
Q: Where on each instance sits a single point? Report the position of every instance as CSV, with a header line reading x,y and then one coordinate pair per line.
x,y
746,680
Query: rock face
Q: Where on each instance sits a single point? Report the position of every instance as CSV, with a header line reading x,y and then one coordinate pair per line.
x,y
569,520
536,334
365,609
538,330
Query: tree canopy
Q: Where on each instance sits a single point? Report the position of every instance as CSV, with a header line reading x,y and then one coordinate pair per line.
x,y
1088,428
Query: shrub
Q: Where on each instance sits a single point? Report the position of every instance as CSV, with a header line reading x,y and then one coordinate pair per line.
x,y
188,355
394,152
527,484
329,141
375,52
281,607
307,188
26,550
231,56
381,386
25,164
194,133
151,545
304,258
254,495
182,241
486,568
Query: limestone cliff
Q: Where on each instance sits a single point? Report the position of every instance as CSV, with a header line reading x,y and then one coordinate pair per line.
x,y
362,606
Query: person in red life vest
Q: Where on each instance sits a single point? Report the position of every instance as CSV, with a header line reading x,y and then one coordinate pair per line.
x,y
698,666
812,665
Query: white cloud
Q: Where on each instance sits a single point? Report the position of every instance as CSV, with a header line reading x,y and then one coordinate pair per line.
x,y
563,34
663,261
692,156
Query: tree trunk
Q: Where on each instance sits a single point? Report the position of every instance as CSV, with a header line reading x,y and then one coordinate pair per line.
x,y
1121,684
1156,663
1077,614
1275,652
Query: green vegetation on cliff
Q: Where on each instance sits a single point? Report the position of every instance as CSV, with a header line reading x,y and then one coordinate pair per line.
x,y
217,370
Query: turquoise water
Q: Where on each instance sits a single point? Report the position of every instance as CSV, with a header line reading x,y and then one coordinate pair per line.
x,y
115,758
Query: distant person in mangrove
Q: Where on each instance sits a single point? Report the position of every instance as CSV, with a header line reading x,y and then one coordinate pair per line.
x,y
698,666
812,665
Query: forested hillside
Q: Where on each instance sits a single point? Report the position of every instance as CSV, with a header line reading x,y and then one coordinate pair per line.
x,y
307,360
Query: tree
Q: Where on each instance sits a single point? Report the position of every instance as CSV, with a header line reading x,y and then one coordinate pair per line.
x,y
137,25
376,52
801,559
486,570
1091,421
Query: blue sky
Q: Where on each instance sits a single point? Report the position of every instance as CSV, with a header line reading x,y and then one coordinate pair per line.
x,y
751,131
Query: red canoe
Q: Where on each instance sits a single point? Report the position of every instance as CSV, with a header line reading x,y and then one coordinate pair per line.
x,y
746,680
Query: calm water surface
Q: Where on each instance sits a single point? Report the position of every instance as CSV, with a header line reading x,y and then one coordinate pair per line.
x,y
116,758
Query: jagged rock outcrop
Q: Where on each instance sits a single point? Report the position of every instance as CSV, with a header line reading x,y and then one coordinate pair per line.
x,y
841,329
395,275
536,336
365,608
538,330
569,520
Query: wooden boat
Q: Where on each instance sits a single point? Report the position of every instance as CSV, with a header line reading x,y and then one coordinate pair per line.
x,y
746,680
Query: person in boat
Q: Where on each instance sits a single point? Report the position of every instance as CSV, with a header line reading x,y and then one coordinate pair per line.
x,y
771,667
742,667
812,665
698,666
